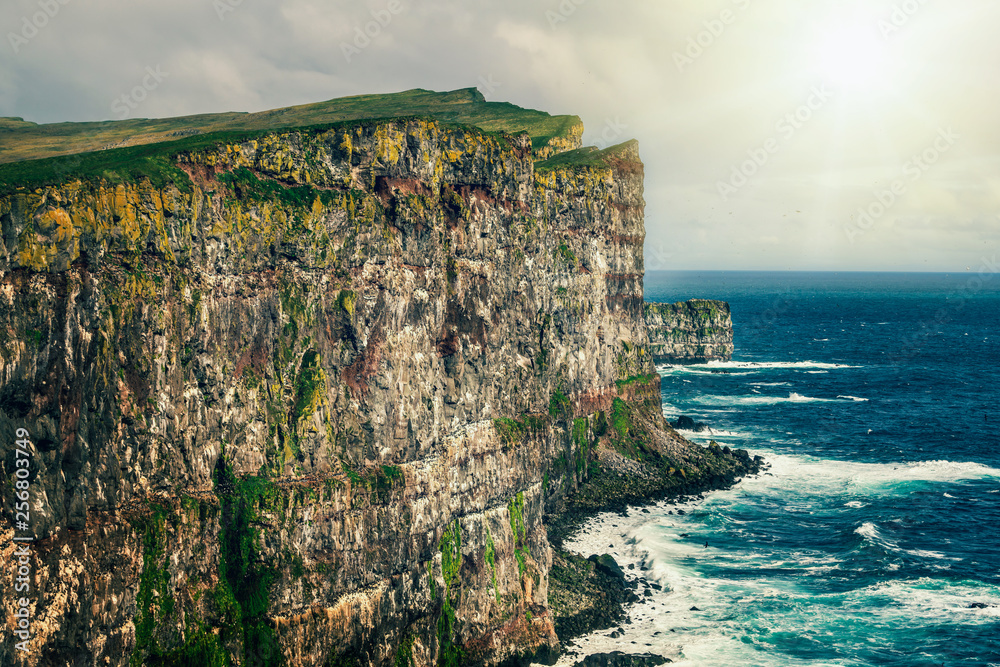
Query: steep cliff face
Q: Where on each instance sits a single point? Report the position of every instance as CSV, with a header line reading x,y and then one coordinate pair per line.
x,y
307,398
691,332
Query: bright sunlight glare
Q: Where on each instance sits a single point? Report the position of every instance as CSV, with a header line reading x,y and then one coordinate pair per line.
x,y
854,57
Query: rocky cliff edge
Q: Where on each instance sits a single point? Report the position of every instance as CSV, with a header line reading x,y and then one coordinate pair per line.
x,y
690,332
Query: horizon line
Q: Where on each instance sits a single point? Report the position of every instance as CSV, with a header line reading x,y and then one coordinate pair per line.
x,y
899,271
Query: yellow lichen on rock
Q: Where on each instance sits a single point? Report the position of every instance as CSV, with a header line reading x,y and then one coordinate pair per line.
x,y
389,144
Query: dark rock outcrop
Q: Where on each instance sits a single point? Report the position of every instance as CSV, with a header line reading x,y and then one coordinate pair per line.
x,y
691,332
618,659
608,565
685,423
584,597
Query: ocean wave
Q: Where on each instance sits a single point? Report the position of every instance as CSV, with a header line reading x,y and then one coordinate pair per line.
x,y
944,471
670,410
867,529
793,397
776,364
823,479
854,398
757,365
732,610
712,433
870,532
923,553
927,598
697,370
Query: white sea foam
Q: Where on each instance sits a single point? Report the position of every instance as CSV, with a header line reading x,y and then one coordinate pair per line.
x,y
777,364
670,410
712,433
817,484
854,398
871,533
717,634
932,599
736,616
793,397
696,370
756,365
825,476
868,530
622,538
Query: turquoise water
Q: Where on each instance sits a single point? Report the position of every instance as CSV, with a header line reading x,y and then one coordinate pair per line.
x,y
873,538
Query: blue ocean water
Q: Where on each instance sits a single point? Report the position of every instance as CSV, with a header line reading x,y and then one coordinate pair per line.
x,y
874,537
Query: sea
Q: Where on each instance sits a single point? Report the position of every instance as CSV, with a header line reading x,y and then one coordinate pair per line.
x,y
873,537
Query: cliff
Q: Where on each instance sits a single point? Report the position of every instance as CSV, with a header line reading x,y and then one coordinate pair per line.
x,y
692,332
304,396
23,140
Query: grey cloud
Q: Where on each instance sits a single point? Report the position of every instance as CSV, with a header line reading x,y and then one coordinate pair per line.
x,y
614,64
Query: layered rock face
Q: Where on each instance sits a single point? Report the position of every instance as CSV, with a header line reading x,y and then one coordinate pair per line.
x,y
305,398
691,332
307,401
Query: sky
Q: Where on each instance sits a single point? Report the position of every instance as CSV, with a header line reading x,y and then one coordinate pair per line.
x,y
777,134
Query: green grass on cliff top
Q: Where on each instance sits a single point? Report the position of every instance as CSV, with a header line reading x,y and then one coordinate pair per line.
x,y
582,158
154,161
21,140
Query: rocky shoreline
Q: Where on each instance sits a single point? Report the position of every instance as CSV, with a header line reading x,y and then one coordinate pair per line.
x,y
591,594
608,608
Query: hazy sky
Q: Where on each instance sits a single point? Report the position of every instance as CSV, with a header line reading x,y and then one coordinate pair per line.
x,y
766,126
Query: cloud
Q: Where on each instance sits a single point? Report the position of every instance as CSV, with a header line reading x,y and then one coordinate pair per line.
x,y
616,65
